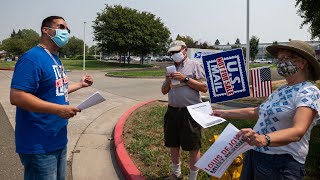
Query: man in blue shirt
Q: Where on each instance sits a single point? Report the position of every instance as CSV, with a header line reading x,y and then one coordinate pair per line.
x,y
40,89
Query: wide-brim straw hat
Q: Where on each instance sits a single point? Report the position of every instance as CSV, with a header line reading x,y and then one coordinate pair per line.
x,y
304,50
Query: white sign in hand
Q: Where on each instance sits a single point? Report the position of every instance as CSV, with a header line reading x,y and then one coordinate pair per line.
x,y
223,151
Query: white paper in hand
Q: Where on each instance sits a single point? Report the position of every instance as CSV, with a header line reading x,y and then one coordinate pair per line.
x,y
170,70
201,114
92,100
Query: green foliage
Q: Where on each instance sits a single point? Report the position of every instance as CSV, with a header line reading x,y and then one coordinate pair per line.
x,y
121,29
188,40
254,42
217,42
94,50
237,41
73,48
308,10
20,42
194,44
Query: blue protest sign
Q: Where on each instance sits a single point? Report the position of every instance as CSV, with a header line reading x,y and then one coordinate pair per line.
x,y
226,75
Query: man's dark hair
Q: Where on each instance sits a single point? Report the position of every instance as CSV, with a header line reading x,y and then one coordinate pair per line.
x,y
48,21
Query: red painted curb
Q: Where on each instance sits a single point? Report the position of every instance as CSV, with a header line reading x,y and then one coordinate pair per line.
x,y
127,167
7,69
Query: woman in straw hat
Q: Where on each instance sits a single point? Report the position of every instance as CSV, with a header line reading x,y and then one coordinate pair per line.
x,y
285,119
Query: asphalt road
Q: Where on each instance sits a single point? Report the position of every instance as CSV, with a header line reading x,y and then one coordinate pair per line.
x,y
10,165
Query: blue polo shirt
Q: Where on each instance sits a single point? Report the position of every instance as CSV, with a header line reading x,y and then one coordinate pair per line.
x,y
36,73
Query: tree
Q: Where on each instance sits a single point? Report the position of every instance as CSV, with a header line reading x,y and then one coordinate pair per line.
x,y
124,31
268,55
21,41
275,42
93,50
237,41
188,40
73,48
254,43
217,42
309,11
13,34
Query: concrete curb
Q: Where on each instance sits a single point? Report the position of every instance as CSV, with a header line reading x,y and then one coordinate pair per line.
x,y
127,167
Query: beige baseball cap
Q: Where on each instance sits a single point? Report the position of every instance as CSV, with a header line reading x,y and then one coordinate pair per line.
x,y
176,45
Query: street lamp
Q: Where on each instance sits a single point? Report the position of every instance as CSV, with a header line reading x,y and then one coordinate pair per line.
x,y
84,45
248,42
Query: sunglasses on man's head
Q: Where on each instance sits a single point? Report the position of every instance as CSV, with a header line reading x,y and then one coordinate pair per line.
x,y
61,26
173,52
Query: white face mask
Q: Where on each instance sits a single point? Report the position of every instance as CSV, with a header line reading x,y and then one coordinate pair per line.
x,y
178,57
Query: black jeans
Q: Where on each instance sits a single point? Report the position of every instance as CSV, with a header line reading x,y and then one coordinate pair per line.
x,y
261,166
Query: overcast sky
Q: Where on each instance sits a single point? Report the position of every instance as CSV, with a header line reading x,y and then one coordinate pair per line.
x,y
203,20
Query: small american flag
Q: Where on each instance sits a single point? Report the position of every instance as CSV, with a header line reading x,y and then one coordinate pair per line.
x,y
261,81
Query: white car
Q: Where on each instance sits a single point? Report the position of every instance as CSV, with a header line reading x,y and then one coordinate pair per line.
x,y
262,61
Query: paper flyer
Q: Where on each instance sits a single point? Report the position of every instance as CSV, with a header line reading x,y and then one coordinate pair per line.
x,y
170,70
92,100
201,114
221,154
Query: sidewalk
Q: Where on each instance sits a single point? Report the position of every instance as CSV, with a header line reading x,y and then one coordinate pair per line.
x,y
90,147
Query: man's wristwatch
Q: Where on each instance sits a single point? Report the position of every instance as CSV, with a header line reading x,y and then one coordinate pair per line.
x,y
186,79
268,139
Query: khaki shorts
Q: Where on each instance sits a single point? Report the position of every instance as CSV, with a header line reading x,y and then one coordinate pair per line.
x,y
181,130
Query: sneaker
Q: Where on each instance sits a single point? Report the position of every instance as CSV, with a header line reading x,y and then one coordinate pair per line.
x,y
174,177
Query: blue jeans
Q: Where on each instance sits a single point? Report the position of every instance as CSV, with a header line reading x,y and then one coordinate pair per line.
x,y
47,166
261,166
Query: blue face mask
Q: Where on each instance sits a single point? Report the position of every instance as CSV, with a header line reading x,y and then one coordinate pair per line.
x,y
61,38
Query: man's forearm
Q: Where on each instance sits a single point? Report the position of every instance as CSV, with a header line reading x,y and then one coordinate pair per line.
x,y
32,103
74,87
197,85
165,88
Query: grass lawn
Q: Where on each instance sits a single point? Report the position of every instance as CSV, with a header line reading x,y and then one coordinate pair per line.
x,y
140,73
7,64
143,137
90,65
254,65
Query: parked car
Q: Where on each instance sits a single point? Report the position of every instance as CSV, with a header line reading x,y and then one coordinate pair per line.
x,y
162,58
166,58
263,61
150,58
135,58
